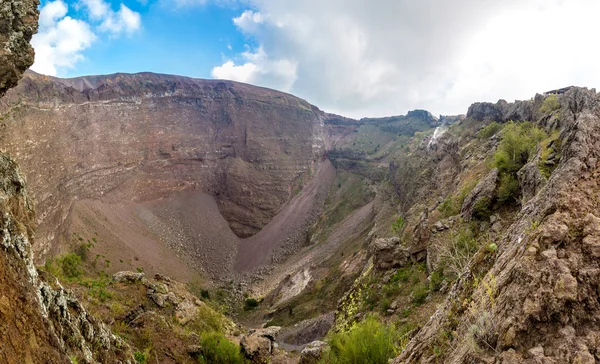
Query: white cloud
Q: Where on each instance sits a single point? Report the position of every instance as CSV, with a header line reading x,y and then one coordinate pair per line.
x,y
60,39
249,21
51,13
123,21
259,69
364,57
97,9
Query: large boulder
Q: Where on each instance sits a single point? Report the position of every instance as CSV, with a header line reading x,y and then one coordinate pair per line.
x,y
531,179
127,277
388,253
502,111
485,111
258,345
483,193
313,352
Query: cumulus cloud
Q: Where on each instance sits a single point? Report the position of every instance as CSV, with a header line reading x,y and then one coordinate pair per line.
x,y
360,57
259,69
123,21
60,39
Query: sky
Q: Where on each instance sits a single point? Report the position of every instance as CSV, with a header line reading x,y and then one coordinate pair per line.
x,y
356,58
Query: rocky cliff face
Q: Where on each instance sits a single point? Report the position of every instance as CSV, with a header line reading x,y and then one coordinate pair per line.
x,y
538,302
40,322
143,137
18,23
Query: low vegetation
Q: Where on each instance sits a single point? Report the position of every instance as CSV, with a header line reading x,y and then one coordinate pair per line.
x,y
519,142
369,342
550,104
489,130
452,204
217,349
455,255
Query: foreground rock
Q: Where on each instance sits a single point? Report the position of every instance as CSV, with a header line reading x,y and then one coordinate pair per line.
x,y
41,322
18,23
389,253
313,352
537,300
127,277
259,344
481,197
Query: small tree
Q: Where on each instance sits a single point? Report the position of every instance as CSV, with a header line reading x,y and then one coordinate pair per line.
x,y
398,225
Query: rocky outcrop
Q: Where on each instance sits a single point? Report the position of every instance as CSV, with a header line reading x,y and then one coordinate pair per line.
x,y
258,345
531,179
482,195
536,301
389,253
313,352
36,309
502,111
127,277
18,23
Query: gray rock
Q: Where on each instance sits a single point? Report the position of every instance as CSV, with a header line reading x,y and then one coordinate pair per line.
x,y
312,353
258,345
127,277
485,189
388,253
531,179
185,312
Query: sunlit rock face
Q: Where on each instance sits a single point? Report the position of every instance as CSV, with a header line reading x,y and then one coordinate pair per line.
x,y
135,138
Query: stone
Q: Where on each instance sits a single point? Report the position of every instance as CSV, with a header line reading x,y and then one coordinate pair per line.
x,y
484,190
440,226
530,178
127,277
185,312
257,349
312,353
388,253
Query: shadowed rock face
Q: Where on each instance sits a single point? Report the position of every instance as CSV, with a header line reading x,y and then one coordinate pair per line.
x,y
142,137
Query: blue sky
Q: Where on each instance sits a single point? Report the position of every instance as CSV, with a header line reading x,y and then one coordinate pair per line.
x,y
352,57
187,40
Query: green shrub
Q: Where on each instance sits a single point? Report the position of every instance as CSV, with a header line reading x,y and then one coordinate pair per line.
x,y
436,279
457,254
519,142
83,251
250,304
217,349
452,204
449,207
550,104
70,265
489,130
483,208
369,342
398,225
508,188
141,357
419,293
